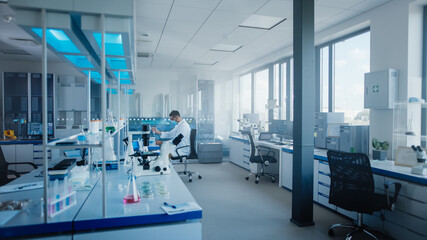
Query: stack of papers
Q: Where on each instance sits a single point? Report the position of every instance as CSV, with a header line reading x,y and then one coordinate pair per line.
x,y
181,208
21,187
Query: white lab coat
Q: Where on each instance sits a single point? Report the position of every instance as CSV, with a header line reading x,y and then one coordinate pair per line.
x,y
184,129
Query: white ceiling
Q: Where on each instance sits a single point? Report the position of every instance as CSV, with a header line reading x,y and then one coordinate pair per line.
x,y
182,32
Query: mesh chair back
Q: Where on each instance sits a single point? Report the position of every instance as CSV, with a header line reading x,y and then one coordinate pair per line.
x,y
193,153
251,141
3,169
352,182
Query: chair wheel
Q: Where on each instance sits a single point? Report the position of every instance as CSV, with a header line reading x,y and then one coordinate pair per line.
x,y
247,178
256,181
331,232
200,177
190,180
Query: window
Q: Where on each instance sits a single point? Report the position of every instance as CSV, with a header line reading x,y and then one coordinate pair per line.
x,y
276,88
291,87
324,78
261,96
245,94
284,94
351,63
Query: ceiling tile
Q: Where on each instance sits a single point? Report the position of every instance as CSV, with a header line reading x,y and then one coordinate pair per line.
x,y
152,10
342,4
277,8
322,13
241,36
204,4
369,4
226,18
189,14
241,6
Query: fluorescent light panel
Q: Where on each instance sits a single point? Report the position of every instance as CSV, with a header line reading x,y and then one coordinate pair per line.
x,y
112,90
98,80
117,63
261,22
128,91
225,48
79,61
206,63
93,74
113,43
58,40
123,75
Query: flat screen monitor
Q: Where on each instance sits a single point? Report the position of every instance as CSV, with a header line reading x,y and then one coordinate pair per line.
x,y
36,129
278,127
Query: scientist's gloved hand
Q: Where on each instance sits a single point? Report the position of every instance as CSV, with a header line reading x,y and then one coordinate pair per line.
x,y
155,130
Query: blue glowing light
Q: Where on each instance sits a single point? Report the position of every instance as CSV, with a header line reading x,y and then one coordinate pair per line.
x,y
58,40
98,80
113,43
128,91
112,90
117,63
79,61
93,74
125,81
123,75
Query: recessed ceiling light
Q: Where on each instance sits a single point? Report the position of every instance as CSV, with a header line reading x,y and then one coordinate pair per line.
x,y
144,34
261,22
225,48
206,63
14,52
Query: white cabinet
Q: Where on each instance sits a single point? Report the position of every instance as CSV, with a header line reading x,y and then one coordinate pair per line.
x,y
324,184
286,169
9,155
240,153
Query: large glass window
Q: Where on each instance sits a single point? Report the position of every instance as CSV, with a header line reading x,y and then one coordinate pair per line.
x,y
284,95
352,61
245,94
291,87
324,78
261,96
276,88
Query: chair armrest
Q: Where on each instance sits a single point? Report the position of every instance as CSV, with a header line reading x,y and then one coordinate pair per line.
x,y
397,187
14,173
176,150
267,149
27,163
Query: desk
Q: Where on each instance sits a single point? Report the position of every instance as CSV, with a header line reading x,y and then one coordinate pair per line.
x,y
408,221
84,220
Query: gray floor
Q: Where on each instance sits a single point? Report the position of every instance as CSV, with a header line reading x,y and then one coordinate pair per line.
x,y
237,209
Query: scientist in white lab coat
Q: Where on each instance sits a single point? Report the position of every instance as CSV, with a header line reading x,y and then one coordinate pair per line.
x,y
181,128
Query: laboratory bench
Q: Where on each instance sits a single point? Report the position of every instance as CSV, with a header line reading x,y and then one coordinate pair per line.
x,y
85,219
407,221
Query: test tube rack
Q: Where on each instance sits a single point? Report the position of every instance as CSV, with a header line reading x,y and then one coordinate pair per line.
x,y
61,204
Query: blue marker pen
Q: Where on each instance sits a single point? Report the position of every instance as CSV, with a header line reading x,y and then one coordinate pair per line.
x,y
169,205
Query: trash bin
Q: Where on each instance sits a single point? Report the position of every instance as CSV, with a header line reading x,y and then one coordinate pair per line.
x,y
210,152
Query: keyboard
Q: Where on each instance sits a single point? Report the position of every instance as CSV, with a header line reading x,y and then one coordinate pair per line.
x,y
64,164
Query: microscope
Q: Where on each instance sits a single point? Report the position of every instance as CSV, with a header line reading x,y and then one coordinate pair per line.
x,y
421,159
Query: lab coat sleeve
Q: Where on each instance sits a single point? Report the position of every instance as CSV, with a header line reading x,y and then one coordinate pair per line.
x,y
171,134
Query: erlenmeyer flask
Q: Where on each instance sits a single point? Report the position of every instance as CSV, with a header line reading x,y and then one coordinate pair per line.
x,y
132,194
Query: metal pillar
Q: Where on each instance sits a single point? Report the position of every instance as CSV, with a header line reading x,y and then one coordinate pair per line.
x,y
331,79
304,84
44,112
103,117
118,119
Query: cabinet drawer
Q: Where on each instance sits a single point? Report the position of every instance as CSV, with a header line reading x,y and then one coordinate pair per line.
x,y
399,232
323,189
324,167
413,223
324,179
324,200
410,190
40,154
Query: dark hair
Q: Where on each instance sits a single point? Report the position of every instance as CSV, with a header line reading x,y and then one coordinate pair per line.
x,y
174,113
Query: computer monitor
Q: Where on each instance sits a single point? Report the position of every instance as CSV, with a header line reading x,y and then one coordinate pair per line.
x,y
36,129
279,127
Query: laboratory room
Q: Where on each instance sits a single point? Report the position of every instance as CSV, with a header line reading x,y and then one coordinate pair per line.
x,y
213,119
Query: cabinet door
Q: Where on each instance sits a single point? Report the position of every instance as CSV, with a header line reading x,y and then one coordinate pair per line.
x,y
24,153
286,170
315,179
9,155
233,150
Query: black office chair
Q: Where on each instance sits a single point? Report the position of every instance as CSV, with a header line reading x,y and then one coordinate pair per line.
x,y
193,155
265,156
353,189
5,172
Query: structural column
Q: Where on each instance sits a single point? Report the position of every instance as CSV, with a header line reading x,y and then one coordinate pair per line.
x,y
304,98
